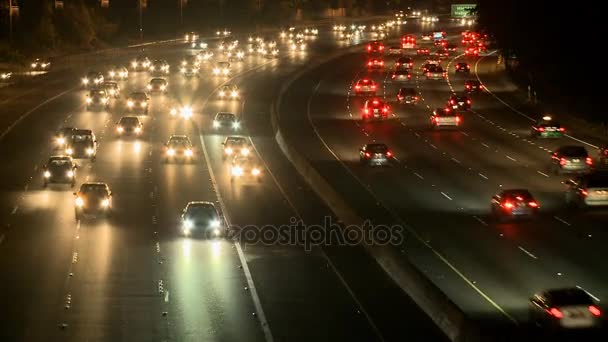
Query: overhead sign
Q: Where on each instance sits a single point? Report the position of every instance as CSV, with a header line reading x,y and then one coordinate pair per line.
x,y
463,10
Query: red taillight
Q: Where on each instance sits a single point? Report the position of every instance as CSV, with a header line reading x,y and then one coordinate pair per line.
x,y
445,74
458,119
428,74
556,313
369,48
595,311
385,109
389,153
409,77
467,86
357,87
375,102
369,63
381,62
367,154
589,161
562,161
562,129
533,204
584,193
411,65
452,101
373,86
381,47
541,129
468,101
394,76
508,205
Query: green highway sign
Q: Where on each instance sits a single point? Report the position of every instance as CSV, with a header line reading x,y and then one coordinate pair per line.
x,y
463,10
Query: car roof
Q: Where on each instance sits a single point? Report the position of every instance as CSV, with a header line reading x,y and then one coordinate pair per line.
x,y
178,136
158,79
376,146
568,296
516,192
138,94
129,117
80,131
225,114
236,139
52,158
200,204
573,150
93,185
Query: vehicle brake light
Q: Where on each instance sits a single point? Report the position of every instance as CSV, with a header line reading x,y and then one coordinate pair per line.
x,y
562,129
366,111
556,313
381,47
468,101
458,119
390,154
451,101
369,48
533,204
373,86
381,62
385,109
584,193
357,87
444,74
562,161
541,129
428,74
409,76
589,161
508,205
375,102
367,154
595,311
467,86
519,198
369,63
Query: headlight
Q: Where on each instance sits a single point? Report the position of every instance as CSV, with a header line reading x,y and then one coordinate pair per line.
x,y
236,125
33,65
171,152
143,104
120,129
137,130
85,81
245,151
69,151
228,150
47,174
189,153
255,172
112,73
183,70
90,151
216,232
163,87
234,93
222,93
188,224
70,174
130,103
184,63
134,64
240,54
173,112
104,100
105,203
186,112
216,124
214,223
88,100
149,87
112,92
237,171
79,202
60,141
216,71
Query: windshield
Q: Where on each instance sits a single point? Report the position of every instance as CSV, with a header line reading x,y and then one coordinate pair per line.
x,y
573,151
377,148
129,121
225,117
81,138
138,96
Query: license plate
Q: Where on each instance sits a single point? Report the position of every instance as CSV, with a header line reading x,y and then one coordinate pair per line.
x,y
576,160
375,111
550,129
460,103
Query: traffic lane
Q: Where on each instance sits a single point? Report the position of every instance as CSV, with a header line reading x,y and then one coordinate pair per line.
x,y
359,197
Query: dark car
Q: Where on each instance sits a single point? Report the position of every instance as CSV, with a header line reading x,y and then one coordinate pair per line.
x,y
158,85
511,203
376,154
129,125
179,148
568,308
462,67
375,109
225,120
407,96
459,102
59,169
401,76
159,67
200,217
138,102
141,63
546,127
93,200
97,98
82,144
62,136
93,79
571,159
404,63
473,86
236,146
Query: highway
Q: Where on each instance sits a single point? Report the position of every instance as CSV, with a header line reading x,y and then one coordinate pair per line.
x,y
134,276
442,182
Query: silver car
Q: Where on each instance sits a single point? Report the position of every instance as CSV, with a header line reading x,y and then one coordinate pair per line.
x,y
570,308
435,72
571,159
588,190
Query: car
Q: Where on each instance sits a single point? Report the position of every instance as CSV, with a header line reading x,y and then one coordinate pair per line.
x,y
201,218
375,63
204,55
546,127
451,47
311,31
61,137
603,157
513,203
375,109
426,67
93,199
589,190
226,120
118,73
81,144
228,91
198,44
436,60
5,76
401,75
365,86
459,102
471,51
442,53
159,67
376,154
345,35
268,53
97,98
190,61
407,96
223,33
59,169
140,63
445,117
236,146
138,101
462,67
40,64
190,71
435,72
375,47
179,148
112,88
394,50
191,37
243,167
221,68
404,63
427,36
129,125
408,41
235,56
92,79
440,43
158,85
473,86
564,308
185,112
570,159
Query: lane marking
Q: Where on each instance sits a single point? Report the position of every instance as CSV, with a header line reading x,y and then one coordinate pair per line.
x,y
482,176
562,220
480,220
15,210
455,160
485,145
527,252
167,296
589,293
418,175
513,159
542,173
446,196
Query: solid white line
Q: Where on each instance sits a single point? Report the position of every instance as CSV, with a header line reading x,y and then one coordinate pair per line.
x,y
418,175
562,221
446,196
589,293
528,253
433,146
542,173
167,296
463,133
482,176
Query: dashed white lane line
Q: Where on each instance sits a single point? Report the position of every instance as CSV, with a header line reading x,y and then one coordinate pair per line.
x,y
446,196
456,160
513,159
418,175
527,252
463,133
167,296
480,220
542,173
485,145
482,176
433,146
562,220
15,210
589,293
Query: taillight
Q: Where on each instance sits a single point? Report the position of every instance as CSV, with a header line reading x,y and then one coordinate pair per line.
x,y
562,129
369,63
394,76
508,205
541,129
357,87
467,86
366,111
373,86
385,109
409,77
367,154
468,101
562,161
381,47
595,311
375,102
458,119
533,204
381,62
445,74
588,161
389,153
369,48
584,192
428,74
556,313
451,101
